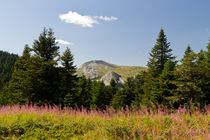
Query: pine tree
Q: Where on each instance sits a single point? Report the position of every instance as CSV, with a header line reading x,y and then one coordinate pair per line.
x,y
118,100
83,93
206,80
20,86
68,76
188,51
46,47
159,55
67,61
138,90
166,92
100,95
7,62
188,75
124,96
37,77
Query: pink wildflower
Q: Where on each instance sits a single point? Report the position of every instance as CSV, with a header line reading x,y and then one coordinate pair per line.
x,y
179,111
199,130
192,132
175,118
128,137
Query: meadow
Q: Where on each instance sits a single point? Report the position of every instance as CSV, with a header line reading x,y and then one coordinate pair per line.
x,y
52,122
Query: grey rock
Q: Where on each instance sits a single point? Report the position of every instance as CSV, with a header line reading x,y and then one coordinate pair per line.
x,y
112,75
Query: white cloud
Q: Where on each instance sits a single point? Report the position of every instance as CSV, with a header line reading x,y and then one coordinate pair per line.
x,y
60,41
75,18
84,20
105,18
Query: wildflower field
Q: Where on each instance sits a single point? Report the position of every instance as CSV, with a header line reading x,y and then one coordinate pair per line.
x,y
33,122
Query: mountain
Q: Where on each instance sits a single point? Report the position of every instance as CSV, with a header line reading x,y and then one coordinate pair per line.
x,y
101,70
112,75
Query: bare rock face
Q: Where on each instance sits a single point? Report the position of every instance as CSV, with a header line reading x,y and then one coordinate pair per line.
x,y
112,75
90,72
91,69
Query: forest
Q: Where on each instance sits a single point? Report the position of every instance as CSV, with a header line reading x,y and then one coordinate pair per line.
x,y
43,76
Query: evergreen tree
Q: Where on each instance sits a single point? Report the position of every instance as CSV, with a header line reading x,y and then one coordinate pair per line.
x,y
83,93
118,100
124,96
68,77
188,75
20,86
7,62
37,77
206,80
112,88
166,92
188,51
159,55
100,95
46,47
140,96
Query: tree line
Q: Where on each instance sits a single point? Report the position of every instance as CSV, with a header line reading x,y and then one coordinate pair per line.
x,y
43,76
7,62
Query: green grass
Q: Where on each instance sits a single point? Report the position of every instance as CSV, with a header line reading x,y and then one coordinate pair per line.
x,y
54,123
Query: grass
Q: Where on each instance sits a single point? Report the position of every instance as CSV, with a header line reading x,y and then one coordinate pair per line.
x,y
33,122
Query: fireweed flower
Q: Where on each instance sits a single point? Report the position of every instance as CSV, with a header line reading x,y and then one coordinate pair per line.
x,y
175,118
192,132
199,130
179,111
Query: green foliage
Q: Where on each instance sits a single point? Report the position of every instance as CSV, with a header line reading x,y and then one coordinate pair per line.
x,y
7,62
160,54
46,47
101,97
38,78
188,74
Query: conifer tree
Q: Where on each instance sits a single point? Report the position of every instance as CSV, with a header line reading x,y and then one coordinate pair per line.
x,y
20,86
83,93
68,76
46,47
188,75
100,95
159,55
166,92
206,80
139,92
188,51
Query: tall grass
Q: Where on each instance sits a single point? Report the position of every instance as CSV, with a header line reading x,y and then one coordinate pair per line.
x,y
52,122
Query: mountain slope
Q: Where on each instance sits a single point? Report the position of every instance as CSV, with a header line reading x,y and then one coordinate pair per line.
x,y
97,69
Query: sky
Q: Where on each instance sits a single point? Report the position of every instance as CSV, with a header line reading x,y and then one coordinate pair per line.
x,y
121,32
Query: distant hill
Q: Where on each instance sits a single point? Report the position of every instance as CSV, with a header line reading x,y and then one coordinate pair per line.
x,y
7,62
101,70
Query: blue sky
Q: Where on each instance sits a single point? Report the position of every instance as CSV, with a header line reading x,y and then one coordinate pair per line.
x,y
118,31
